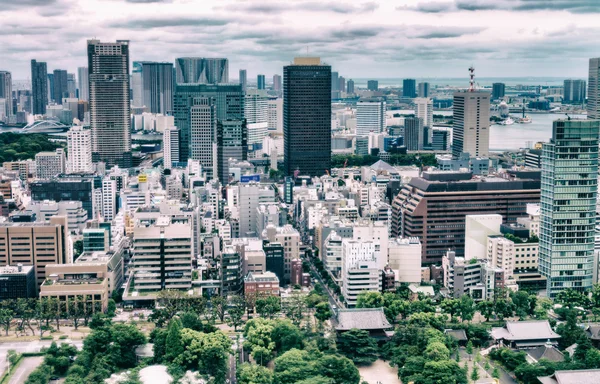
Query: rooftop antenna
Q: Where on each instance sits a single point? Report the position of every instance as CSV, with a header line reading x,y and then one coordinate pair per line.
x,y
472,81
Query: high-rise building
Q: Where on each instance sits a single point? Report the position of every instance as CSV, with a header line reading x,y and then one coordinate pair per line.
x,y
414,133
243,79
71,85
228,99
50,164
256,112
424,110
79,150
307,116
593,102
342,84
108,65
568,205
109,198
409,88
170,147
433,207
61,86
440,140
424,89
350,86
137,88
50,87
335,83
39,87
275,121
373,85
574,91
83,83
370,117
200,70
203,130
260,82
277,83
232,143
498,91
157,87
471,123
362,262
6,94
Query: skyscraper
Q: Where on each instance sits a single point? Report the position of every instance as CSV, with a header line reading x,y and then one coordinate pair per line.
x,y
229,100
137,88
568,205
372,85
424,89
243,79
350,86
277,83
157,87
61,87
409,88
370,117
307,116
424,110
83,83
50,87
170,147
200,70
335,81
108,65
593,102
203,130
342,84
471,128
498,90
39,87
79,150
260,82
574,91
71,85
232,143
414,134
6,94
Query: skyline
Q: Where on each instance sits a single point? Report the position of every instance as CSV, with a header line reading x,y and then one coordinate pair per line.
x,y
376,39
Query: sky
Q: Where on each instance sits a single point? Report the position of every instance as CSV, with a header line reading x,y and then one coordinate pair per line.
x,y
359,39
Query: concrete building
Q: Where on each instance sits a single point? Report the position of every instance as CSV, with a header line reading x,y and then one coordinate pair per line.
x,y
574,91
414,134
251,195
39,87
477,230
232,143
72,210
96,240
568,205
71,188
289,238
83,83
362,264
404,258
498,90
409,88
532,221
424,110
50,164
79,150
71,282
471,123
261,284
275,118
332,255
243,79
370,117
18,282
593,100
109,198
200,70
170,147
424,89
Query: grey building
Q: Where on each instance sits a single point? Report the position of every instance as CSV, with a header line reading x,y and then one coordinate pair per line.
x,y
61,86
260,82
17,282
108,65
6,93
78,188
83,84
593,103
157,87
243,79
200,70
307,117
409,88
424,89
471,123
232,143
498,90
350,86
568,205
574,91
39,87
414,133
373,85
441,140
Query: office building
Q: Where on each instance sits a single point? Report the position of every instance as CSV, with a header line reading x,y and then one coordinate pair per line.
x,y
424,111
440,140
243,79
477,230
108,65
79,150
39,87
362,264
37,244
277,83
83,83
71,86
568,205
232,143
350,87
203,129
251,196
373,85
275,258
200,70
170,147
6,94
424,89
50,164
17,282
404,258
50,87
109,198
261,284
275,119
574,91
433,207
307,117
157,87
370,117
231,271
335,82
96,240
498,91
137,88
72,210
471,123
61,88
78,188
414,134
256,112
260,82
289,238
593,101
409,88
228,100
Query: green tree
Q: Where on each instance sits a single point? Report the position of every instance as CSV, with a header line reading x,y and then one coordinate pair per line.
x,y
475,374
503,308
444,371
569,331
339,369
254,374
75,310
6,317
235,311
469,348
293,366
496,373
268,306
158,337
173,343
258,340
571,298
466,308
111,309
286,336
219,306
207,352
437,351
40,375
450,307
369,299
358,346
323,312
486,308
315,380
295,307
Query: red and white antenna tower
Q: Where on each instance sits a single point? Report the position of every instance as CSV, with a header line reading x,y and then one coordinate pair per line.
x,y
472,81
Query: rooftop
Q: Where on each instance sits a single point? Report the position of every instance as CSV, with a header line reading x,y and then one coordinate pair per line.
x,y
584,376
525,330
363,318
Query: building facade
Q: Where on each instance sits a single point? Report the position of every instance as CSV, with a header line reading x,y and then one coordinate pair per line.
x,y
200,70
79,150
370,117
471,123
593,101
39,87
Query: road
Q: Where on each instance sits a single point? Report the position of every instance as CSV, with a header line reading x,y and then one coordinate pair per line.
x,y
28,364
29,346
505,378
333,301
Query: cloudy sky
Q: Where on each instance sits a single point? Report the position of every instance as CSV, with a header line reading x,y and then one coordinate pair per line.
x,y
385,38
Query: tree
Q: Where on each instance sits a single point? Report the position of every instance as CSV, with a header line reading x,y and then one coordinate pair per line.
x,y
111,308
258,340
75,310
340,369
437,351
475,374
596,295
235,311
25,309
293,366
6,317
450,306
569,331
496,373
125,339
469,348
358,346
486,308
323,312
40,375
286,336
444,371
521,300
268,306
466,308
369,299
503,308
571,298
173,343
207,352
254,374
295,307
219,306
43,314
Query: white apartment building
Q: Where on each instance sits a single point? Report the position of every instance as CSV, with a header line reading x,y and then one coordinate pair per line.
x,y
424,110
251,195
477,230
72,210
79,150
109,198
532,221
275,118
50,164
404,257
170,147
289,237
362,264
332,255
370,117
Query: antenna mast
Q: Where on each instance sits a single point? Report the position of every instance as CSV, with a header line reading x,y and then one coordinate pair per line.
x,y
472,81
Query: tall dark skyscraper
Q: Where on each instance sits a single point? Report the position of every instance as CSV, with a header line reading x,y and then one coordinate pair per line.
x,y
424,89
307,116
350,86
593,102
50,87
232,143
243,79
61,86
409,88
108,65
228,99
39,87
6,94
335,81
372,85
260,82
200,70
574,91
157,86
498,90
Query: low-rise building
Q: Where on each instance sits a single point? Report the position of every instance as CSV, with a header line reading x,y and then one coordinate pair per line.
x,y
256,284
17,282
525,334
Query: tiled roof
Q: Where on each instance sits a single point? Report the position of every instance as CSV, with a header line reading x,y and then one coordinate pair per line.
x,y
364,318
584,376
525,330
546,352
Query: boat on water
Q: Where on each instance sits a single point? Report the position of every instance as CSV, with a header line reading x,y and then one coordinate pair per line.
x,y
524,120
507,121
